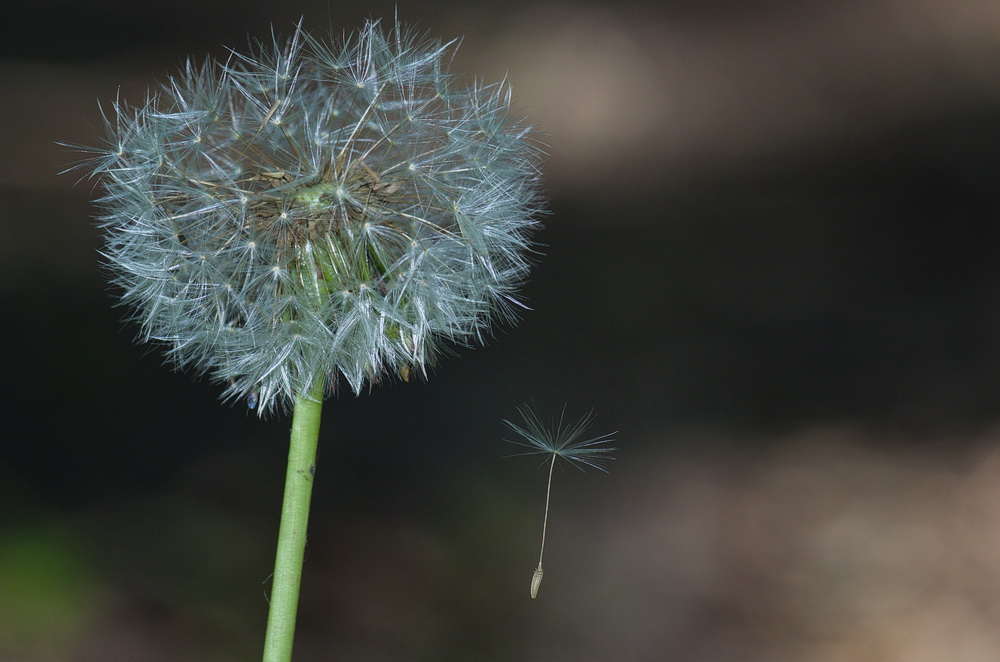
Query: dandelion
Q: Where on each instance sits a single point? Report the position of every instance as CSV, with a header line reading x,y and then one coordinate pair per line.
x,y
311,213
314,211
559,439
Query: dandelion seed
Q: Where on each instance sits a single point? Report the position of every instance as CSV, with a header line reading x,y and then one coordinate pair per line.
x,y
559,439
536,579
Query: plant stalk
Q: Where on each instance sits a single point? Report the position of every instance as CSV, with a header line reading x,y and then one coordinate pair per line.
x,y
294,521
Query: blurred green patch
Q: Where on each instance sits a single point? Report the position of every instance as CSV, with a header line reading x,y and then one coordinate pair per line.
x,y
46,592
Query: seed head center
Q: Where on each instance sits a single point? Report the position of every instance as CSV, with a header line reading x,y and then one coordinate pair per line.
x,y
350,194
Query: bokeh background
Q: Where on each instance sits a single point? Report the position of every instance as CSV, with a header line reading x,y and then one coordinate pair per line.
x,y
771,265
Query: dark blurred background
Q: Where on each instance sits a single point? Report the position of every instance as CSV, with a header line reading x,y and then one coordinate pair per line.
x,y
771,265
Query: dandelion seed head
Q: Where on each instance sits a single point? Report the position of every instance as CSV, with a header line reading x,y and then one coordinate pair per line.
x,y
341,208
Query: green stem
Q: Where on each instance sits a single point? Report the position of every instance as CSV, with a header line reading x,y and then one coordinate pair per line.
x,y
294,520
